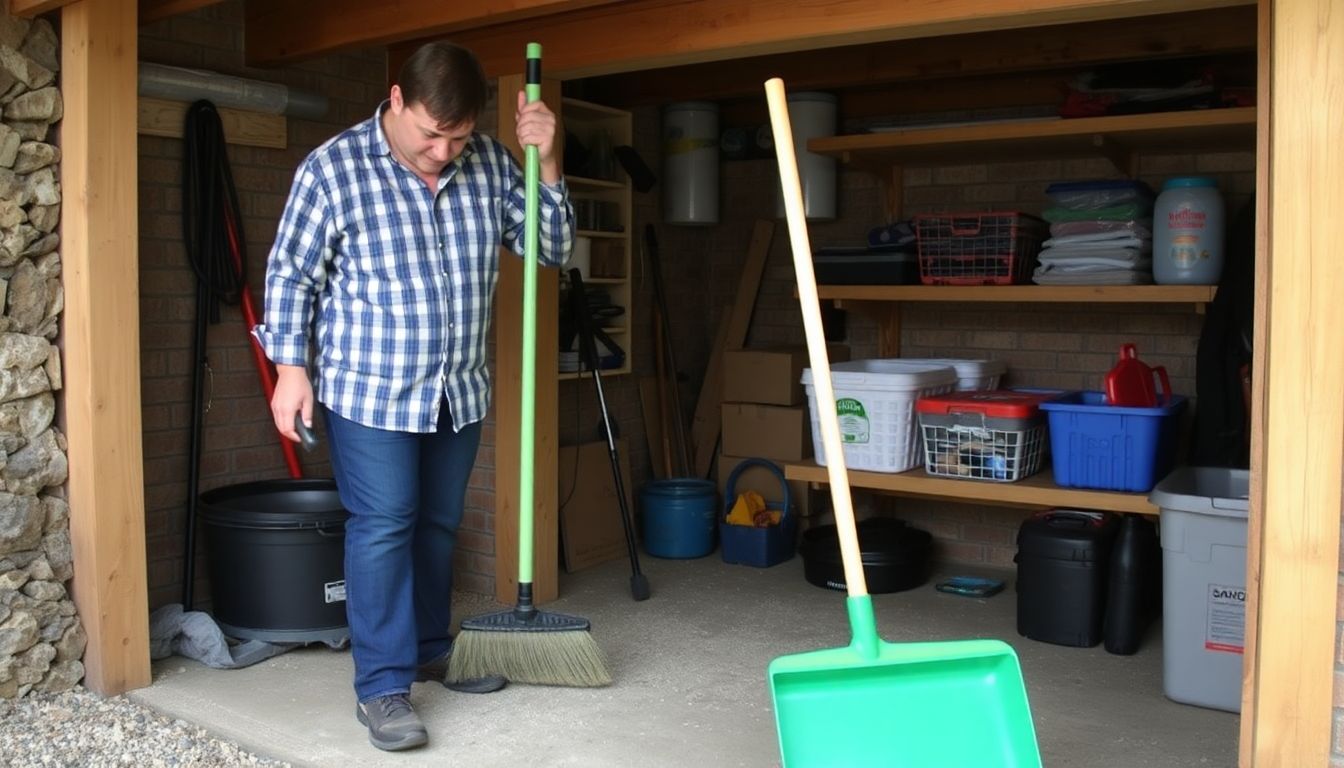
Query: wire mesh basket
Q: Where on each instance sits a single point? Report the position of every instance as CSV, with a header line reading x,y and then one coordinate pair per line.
x,y
979,248
983,453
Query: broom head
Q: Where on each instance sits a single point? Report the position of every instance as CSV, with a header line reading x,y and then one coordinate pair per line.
x,y
535,647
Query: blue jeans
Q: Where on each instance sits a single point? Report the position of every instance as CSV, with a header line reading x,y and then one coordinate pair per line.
x,y
405,493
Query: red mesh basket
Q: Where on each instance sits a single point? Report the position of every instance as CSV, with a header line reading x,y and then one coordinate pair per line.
x,y
980,248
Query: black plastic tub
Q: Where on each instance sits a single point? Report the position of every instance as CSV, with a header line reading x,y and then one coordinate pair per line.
x,y
277,560
895,556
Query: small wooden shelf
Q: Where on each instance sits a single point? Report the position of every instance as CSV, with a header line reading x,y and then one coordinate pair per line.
x,y
1085,294
1114,136
585,183
1039,490
597,233
603,280
587,374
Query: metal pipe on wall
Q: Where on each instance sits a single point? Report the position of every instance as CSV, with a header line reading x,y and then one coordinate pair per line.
x,y
181,84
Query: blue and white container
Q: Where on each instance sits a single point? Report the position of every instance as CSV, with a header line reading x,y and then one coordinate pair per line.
x,y
1188,232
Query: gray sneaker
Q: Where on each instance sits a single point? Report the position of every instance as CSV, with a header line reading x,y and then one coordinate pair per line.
x,y
392,722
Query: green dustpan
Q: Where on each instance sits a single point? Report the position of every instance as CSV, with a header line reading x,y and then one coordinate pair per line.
x,y
872,703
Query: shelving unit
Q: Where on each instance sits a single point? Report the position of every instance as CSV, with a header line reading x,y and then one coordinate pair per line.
x,y
1037,491
599,128
1111,294
1118,138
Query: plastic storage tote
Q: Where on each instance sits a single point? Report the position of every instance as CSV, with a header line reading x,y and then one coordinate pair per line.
x,y
1204,512
875,401
1095,445
971,374
993,435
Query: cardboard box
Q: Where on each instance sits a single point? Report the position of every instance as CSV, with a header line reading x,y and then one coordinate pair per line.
x,y
770,375
767,431
590,523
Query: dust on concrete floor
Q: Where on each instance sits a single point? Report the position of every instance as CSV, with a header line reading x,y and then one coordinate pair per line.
x,y
690,683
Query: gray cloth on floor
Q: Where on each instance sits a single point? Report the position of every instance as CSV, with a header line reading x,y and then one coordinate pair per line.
x,y
195,634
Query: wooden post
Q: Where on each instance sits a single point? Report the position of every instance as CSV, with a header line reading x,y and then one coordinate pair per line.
x,y
508,390
1293,567
99,242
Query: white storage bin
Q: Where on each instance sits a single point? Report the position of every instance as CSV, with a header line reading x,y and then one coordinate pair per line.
x,y
875,400
1204,512
971,374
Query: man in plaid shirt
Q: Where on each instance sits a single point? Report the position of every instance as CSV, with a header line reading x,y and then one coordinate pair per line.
x,y
384,268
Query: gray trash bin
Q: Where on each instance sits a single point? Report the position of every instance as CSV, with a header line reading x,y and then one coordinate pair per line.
x,y
1204,511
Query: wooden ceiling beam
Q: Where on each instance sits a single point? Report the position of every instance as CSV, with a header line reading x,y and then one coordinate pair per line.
x,y
284,31
648,34
30,8
1060,47
158,10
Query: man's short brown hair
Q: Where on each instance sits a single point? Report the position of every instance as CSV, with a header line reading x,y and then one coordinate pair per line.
x,y
448,80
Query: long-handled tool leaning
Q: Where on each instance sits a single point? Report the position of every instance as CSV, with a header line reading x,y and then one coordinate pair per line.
x,y
524,644
639,583
909,705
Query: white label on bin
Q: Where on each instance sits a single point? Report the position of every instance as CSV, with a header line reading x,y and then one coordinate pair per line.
x,y
1226,630
853,420
335,591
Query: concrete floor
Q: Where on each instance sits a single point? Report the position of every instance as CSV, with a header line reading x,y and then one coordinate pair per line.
x,y
690,684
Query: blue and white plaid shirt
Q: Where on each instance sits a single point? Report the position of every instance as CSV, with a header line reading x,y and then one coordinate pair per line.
x,y
402,279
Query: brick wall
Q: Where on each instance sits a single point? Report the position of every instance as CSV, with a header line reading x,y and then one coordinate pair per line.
x,y
238,440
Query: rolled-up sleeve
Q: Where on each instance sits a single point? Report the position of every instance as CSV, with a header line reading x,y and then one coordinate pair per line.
x,y
296,270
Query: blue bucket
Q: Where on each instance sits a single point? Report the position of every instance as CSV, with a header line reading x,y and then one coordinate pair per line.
x,y
679,517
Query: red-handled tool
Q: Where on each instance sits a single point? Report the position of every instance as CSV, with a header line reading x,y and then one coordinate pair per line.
x,y
1130,383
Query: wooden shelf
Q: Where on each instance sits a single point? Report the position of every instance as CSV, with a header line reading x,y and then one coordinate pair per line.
x,y
584,183
1114,136
1039,490
587,374
1084,294
597,233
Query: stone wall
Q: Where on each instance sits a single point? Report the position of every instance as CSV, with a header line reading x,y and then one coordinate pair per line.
x,y
41,640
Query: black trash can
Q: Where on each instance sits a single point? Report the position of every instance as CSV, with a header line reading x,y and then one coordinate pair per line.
x,y
277,560
1062,567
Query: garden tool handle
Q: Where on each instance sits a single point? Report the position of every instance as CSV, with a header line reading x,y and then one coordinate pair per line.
x,y
527,406
816,339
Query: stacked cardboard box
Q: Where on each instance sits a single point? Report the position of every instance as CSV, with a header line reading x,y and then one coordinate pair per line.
x,y
765,415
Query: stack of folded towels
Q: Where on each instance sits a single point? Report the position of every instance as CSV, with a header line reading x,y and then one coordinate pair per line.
x,y
1100,234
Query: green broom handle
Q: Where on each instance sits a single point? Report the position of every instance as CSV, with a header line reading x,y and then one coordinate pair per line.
x,y
531,179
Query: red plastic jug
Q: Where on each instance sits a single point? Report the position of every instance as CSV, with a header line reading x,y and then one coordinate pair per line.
x,y
1130,383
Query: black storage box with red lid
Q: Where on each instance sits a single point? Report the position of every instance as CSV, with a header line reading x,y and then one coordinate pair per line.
x,y
1063,560
984,435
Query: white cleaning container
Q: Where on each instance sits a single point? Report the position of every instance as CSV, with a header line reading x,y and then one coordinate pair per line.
x,y
691,163
971,374
1204,512
875,402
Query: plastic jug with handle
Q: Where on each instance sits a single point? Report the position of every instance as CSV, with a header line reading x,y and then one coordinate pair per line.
x,y
1130,383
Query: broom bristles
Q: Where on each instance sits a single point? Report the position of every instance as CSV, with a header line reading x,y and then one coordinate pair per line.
x,y
569,658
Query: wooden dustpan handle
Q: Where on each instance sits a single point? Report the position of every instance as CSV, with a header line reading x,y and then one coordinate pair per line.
x,y
816,338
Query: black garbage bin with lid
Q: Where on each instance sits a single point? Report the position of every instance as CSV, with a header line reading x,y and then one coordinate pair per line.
x,y
276,550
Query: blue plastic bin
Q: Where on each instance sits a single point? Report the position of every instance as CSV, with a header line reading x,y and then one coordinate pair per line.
x,y
679,517
1095,445
759,547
